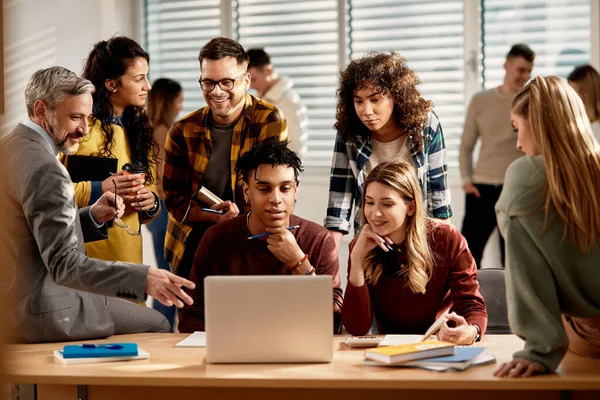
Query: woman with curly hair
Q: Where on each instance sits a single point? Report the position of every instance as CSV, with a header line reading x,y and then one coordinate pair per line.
x,y
381,116
406,269
119,128
548,215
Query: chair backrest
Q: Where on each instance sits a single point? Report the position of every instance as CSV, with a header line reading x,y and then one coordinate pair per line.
x,y
493,290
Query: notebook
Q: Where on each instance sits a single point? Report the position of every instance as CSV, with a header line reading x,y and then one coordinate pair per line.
x,y
207,197
90,168
462,359
59,356
410,351
88,350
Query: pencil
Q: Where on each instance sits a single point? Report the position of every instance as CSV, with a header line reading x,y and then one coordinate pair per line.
x,y
212,211
270,233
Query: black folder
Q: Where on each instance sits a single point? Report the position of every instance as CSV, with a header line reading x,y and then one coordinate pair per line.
x,y
90,168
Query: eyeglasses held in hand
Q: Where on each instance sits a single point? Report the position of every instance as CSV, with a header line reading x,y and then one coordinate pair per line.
x,y
119,222
225,84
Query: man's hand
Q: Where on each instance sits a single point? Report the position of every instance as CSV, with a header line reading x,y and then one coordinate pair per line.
x,y
104,208
232,211
166,288
518,368
283,245
469,188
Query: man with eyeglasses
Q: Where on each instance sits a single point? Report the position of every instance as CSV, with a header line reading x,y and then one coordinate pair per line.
x,y
203,147
58,293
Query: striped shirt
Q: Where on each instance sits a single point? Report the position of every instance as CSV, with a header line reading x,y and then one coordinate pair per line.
x,y
187,152
348,175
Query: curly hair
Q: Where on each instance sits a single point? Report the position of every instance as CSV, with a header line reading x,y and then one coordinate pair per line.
x,y
109,59
389,75
270,151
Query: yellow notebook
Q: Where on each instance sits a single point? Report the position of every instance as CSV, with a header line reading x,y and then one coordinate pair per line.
x,y
410,351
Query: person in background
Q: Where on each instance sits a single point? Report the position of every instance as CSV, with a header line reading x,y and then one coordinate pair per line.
x,y
270,174
381,116
203,147
165,102
119,128
58,292
406,269
278,90
548,215
586,81
488,121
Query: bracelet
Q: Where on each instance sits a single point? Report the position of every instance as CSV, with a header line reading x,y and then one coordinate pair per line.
x,y
299,263
310,270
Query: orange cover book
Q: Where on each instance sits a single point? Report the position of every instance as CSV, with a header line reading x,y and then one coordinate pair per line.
x,y
410,351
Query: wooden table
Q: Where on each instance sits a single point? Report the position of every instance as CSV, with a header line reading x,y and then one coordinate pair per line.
x,y
181,373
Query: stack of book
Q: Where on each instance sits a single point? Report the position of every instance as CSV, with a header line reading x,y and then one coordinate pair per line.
x,y
93,353
428,354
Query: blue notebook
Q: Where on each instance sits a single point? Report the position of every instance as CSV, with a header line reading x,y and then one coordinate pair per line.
x,y
100,350
461,354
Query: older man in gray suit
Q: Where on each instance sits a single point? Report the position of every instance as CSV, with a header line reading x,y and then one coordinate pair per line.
x,y
57,292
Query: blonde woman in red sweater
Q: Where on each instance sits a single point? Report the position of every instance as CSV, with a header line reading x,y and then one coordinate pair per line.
x,y
406,269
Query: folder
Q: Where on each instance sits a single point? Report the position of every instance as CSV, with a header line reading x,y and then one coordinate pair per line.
x,y
90,168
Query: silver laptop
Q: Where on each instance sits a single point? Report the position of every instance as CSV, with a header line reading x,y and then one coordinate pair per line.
x,y
268,319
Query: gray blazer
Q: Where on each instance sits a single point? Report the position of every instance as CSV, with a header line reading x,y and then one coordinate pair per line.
x,y
57,292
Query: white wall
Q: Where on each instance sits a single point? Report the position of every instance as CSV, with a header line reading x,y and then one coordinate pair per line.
x,y
42,33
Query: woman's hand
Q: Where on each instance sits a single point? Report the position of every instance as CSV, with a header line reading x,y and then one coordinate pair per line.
x,y
367,241
144,200
519,368
462,333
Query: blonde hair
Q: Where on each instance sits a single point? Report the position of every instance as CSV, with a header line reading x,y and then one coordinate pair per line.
x,y
571,155
588,81
402,178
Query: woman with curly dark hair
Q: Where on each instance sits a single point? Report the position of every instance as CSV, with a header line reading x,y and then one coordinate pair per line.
x,y
381,116
119,128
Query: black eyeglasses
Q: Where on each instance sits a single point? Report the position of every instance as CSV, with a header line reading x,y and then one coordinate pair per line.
x,y
225,84
119,222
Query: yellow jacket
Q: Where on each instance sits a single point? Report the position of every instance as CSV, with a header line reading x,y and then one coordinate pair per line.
x,y
120,246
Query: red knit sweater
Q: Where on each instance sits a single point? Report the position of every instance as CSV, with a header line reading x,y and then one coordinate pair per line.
x,y
398,310
225,250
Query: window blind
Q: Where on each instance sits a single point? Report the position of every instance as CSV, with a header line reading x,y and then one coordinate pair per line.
x,y
174,33
557,30
301,38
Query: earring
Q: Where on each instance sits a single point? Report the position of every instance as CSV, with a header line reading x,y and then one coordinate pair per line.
x,y
247,201
114,90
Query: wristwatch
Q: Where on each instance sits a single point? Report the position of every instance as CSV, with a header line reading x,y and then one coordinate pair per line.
x,y
478,336
151,213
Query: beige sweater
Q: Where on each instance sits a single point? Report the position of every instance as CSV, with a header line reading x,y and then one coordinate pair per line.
x,y
488,119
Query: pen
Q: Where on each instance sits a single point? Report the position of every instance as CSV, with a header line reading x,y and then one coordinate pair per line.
x,y
212,211
269,233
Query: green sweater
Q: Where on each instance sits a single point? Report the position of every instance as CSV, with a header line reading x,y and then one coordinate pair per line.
x,y
545,276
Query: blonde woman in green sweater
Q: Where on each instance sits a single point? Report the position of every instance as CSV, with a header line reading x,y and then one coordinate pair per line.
x,y
548,215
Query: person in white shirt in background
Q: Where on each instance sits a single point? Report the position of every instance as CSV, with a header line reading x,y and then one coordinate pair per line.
x,y
488,120
586,81
278,90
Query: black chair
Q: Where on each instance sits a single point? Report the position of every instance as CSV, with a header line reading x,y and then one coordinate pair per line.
x,y
493,290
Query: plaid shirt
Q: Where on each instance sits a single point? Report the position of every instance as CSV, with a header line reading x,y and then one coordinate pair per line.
x,y
348,176
187,152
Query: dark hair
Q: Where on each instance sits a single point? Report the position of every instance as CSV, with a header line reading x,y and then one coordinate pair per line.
x,y
270,151
163,94
581,72
521,50
388,74
110,59
221,47
258,58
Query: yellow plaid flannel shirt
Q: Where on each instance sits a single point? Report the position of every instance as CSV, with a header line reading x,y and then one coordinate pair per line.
x,y
187,152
